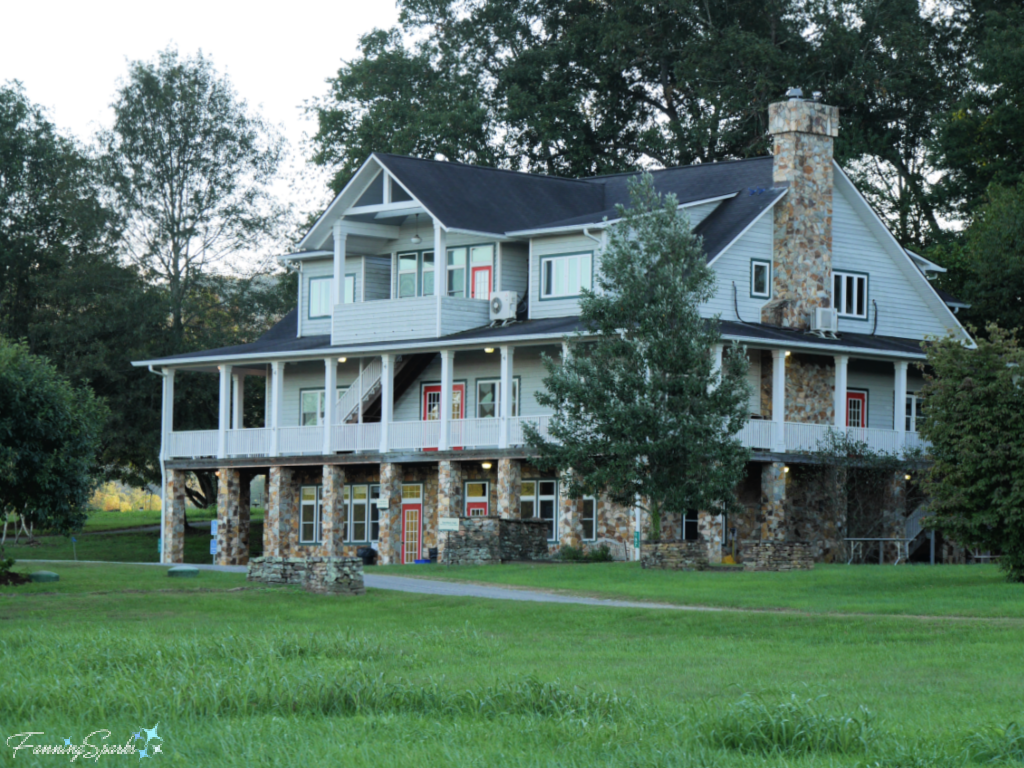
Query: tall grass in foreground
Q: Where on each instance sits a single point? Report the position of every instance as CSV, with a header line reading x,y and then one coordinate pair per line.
x,y
277,697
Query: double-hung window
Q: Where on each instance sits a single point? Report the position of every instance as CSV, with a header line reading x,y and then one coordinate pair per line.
x,y
488,398
760,279
564,277
310,524
319,297
914,414
457,272
350,289
415,274
539,498
374,513
850,294
358,513
312,406
588,518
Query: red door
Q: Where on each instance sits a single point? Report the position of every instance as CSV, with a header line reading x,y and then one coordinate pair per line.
x,y
432,405
412,532
480,282
857,409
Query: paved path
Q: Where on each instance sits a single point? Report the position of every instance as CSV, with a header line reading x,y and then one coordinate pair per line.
x,y
445,588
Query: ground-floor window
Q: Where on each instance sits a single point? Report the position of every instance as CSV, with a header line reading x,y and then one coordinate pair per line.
x,y
374,513
477,498
539,498
588,518
914,415
691,527
358,513
310,524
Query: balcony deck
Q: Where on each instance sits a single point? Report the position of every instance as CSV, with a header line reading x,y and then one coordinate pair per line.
x,y
411,436
412,318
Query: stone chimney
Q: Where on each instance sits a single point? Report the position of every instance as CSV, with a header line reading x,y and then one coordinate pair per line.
x,y
803,133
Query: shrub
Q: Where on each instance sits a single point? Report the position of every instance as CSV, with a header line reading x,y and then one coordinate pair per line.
x,y
600,554
571,554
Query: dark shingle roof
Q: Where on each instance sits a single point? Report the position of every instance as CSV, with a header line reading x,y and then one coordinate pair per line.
x,y
950,299
734,215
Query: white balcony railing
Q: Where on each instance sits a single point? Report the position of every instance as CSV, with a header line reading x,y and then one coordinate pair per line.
x,y
485,433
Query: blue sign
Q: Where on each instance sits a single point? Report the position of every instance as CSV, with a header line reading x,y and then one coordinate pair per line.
x,y
213,546
213,527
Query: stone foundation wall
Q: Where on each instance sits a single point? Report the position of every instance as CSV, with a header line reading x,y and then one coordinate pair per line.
x,y
483,540
174,521
674,555
323,575
777,556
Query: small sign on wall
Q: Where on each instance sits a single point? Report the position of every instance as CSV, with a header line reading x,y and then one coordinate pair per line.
x,y
446,524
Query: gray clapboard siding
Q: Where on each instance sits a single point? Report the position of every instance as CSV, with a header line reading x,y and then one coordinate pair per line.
x,y
515,268
733,266
354,266
402,319
554,246
879,379
463,314
902,310
313,269
477,364
378,278
698,213
309,375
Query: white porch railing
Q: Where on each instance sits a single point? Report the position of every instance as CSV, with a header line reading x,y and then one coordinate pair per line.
x,y
914,440
249,442
300,441
414,435
516,433
193,444
758,434
473,433
804,437
357,438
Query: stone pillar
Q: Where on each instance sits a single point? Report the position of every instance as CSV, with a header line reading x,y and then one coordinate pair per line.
x,y
390,508
333,510
569,529
281,517
895,515
711,527
449,498
773,502
510,486
802,136
174,518
232,518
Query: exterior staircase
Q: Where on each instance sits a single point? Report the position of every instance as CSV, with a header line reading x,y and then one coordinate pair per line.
x,y
366,389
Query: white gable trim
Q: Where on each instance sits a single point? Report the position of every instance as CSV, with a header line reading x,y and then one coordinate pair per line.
x,y
747,228
898,253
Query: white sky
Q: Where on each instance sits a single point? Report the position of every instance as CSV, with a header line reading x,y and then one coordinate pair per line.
x,y
69,56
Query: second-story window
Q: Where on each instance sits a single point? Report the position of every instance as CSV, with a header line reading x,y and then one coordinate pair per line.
x,y
563,277
488,398
457,272
408,274
850,294
760,279
319,297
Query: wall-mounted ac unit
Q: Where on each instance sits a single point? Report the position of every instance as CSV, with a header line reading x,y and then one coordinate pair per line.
x,y
503,305
825,321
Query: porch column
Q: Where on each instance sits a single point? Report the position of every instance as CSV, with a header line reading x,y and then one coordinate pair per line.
x,y
447,360
773,501
716,361
842,363
711,526
167,415
237,400
505,395
569,532
449,498
330,400
899,413
389,505
387,399
332,510
277,395
224,411
338,284
281,518
172,537
232,518
779,398
510,487
266,400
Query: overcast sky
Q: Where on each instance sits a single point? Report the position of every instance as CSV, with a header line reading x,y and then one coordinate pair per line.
x,y
69,55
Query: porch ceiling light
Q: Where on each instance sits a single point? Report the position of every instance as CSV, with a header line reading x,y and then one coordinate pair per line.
x,y
342,359
488,350
788,353
906,477
416,239
785,469
486,465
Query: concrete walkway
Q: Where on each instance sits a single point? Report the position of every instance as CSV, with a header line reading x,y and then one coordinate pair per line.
x,y
443,588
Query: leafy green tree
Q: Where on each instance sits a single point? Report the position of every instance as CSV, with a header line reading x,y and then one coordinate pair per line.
x,y
189,167
639,409
974,419
62,289
49,442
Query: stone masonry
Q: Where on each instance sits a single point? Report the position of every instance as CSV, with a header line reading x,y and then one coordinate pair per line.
x,y
510,478
232,518
323,575
333,510
777,556
773,502
711,527
174,518
810,387
483,540
803,133
390,506
569,528
674,555
280,520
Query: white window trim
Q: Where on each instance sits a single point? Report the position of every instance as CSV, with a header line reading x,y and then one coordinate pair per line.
x,y
767,293
323,280
317,515
858,281
546,291
916,400
497,402
538,497
321,405
467,500
594,500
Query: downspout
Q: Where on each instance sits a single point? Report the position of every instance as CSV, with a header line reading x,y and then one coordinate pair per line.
x,y
163,469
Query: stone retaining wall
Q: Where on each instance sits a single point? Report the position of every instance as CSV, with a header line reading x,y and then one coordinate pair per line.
x,y
323,575
777,556
489,539
674,555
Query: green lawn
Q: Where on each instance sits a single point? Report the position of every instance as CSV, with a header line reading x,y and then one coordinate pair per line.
x,y
275,676
946,590
136,547
100,520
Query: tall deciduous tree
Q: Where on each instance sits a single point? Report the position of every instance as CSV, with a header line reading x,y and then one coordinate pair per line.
x,y
639,410
49,439
189,165
974,419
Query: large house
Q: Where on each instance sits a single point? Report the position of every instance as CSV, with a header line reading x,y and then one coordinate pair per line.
x,y
398,387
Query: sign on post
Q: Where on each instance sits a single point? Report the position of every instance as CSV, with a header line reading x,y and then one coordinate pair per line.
x,y
213,537
445,524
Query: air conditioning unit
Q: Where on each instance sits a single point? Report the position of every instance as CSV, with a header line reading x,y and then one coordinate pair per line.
x,y
825,322
503,305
